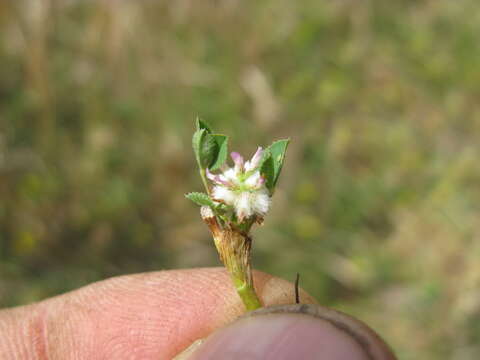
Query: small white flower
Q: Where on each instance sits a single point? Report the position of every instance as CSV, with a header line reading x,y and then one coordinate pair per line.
x,y
242,187
243,205
262,202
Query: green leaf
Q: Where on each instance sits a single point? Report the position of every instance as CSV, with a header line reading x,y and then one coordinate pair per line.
x,y
205,148
202,125
268,171
278,150
201,199
266,155
210,149
197,139
222,151
273,163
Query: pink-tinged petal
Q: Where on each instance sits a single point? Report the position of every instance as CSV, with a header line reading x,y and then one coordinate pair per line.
x,y
210,175
256,158
217,179
261,181
238,160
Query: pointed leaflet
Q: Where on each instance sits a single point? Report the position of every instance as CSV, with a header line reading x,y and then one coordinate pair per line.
x,y
210,149
205,148
202,125
221,156
272,165
201,199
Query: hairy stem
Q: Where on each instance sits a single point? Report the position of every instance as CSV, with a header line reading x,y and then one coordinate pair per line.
x,y
234,248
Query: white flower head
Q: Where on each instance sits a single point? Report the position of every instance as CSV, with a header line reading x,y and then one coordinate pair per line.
x,y
242,186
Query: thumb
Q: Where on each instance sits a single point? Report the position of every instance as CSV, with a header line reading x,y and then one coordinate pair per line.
x,y
292,332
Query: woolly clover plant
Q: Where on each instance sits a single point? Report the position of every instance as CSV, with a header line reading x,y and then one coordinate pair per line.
x,y
236,198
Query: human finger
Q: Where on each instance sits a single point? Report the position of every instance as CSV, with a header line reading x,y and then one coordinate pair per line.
x,y
143,316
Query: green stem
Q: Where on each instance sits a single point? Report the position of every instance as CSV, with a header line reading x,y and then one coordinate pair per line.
x,y
204,180
234,248
248,295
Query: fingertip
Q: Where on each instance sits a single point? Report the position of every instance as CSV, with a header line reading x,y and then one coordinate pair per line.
x,y
292,332
279,337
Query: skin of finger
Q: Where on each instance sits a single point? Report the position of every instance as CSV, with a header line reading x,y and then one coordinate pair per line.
x,y
143,316
280,336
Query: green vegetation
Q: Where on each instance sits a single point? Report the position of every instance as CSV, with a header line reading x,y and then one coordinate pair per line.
x,y
378,204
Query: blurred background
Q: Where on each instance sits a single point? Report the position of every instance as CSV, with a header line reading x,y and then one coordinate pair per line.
x,y
378,205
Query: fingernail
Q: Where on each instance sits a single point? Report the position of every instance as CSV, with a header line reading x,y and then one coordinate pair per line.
x,y
188,352
293,332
